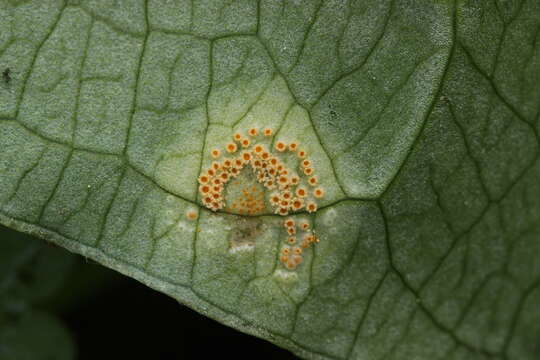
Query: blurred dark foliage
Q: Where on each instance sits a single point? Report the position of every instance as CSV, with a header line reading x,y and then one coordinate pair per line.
x,y
99,314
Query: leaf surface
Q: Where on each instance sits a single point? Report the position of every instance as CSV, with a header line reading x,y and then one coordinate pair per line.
x,y
421,119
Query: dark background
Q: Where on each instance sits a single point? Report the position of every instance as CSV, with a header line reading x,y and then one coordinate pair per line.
x,y
112,316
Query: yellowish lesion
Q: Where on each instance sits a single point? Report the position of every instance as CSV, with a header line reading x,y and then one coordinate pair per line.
x,y
289,189
245,195
244,234
249,178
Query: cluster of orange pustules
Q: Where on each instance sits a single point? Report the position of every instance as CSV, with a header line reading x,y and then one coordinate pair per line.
x,y
297,241
251,202
291,191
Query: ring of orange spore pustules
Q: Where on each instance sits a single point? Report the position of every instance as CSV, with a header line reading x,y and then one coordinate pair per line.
x,y
269,170
290,191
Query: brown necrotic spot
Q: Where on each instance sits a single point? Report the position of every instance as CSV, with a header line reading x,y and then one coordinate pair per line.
x,y
245,230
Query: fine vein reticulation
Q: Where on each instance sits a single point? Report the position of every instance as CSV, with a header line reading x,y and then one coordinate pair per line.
x,y
422,120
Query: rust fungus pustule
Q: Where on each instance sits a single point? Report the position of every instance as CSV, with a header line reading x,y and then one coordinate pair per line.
x,y
259,179
291,255
192,214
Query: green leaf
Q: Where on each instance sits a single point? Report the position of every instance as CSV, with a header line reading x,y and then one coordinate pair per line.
x,y
421,119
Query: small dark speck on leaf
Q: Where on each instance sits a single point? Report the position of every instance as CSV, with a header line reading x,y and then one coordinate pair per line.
x,y
6,75
444,99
